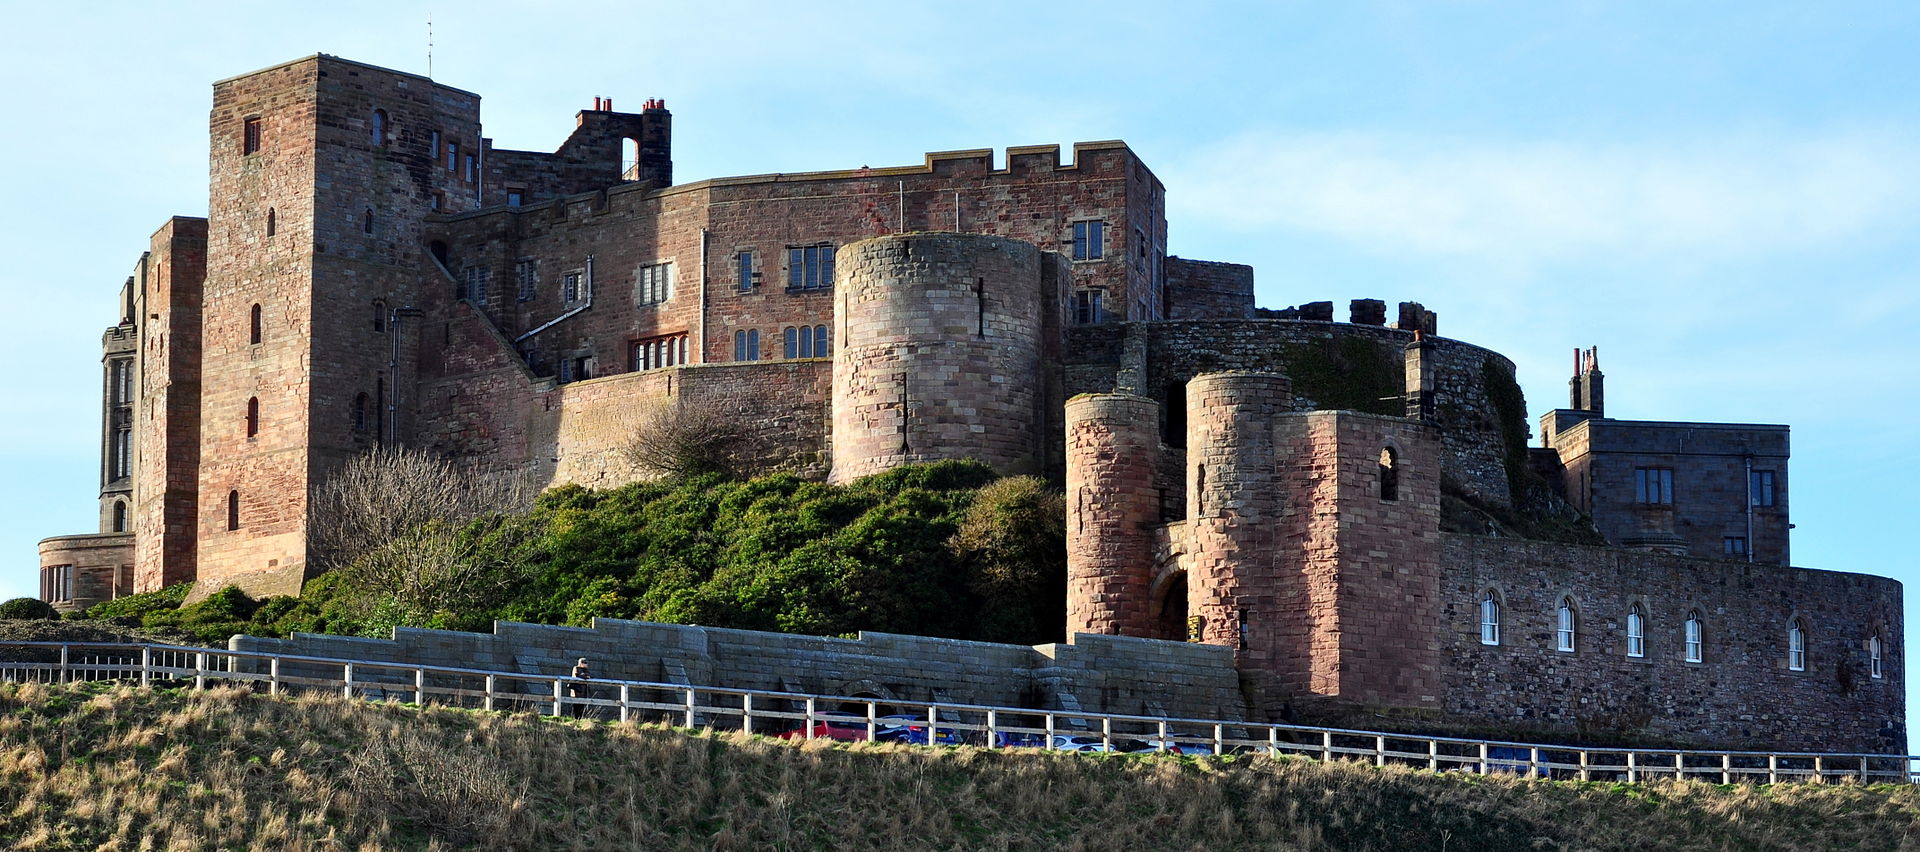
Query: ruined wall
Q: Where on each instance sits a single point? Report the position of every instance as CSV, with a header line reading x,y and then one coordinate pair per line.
x,y
590,159
1331,365
940,354
1742,694
1095,673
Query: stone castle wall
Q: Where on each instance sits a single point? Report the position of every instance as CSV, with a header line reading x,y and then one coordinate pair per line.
x,y
101,568
1742,694
940,354
1172,353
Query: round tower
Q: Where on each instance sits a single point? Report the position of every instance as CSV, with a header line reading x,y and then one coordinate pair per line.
x,y
1113,440
1234,502
939,353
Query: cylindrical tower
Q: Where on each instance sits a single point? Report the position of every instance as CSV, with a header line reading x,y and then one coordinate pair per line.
x,y
939,353
1234,501
1112,443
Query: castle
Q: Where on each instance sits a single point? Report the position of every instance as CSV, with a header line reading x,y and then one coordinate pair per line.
x,y
374,271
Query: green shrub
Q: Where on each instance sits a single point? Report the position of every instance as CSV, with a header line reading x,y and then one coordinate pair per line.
x,y
28,608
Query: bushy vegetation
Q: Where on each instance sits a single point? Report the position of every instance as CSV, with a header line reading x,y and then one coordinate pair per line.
x,y
113,767
946,549
28,608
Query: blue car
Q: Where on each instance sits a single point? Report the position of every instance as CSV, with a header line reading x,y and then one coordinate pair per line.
x,y
911,729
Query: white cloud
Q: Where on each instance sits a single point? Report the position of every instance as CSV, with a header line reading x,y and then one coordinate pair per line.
x,y
1531,201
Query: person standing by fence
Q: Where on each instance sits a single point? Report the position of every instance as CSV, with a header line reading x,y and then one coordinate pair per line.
x,y
578,689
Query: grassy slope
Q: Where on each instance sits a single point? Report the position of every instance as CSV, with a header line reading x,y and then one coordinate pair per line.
x,y
121,768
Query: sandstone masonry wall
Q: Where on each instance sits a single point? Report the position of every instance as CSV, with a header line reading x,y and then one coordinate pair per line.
x,y
1742,694
101,567
1111,459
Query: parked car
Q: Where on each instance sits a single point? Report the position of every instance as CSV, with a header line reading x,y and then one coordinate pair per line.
x,y
1012,739
912,729
1179,743
845,727
1067,742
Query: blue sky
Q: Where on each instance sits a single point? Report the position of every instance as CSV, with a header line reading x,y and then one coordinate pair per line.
x,y
1720,196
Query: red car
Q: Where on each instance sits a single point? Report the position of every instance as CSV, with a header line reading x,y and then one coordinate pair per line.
x,y
845,727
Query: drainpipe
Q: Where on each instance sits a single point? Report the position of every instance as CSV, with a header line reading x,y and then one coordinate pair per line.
x,y
393,371
700,334
1750,542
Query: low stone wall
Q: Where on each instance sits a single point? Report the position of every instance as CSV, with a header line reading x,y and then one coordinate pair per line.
x,y
1743,693
1112,674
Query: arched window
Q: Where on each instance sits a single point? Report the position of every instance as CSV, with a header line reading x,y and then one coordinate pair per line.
x,y
1797,646
1389,475
746,345
253,333
1873,657
273,221
1636,632
360,412
120,525
1694,645
379,315
820,349
1563,631
253,416
366,221
233,510
790,347
379,127
1490,618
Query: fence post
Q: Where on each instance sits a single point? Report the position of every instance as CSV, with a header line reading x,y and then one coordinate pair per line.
x,y
556,696
746,712
1726,768
690,705
1533,761
273,675
1773,769
1433,755
1326,746
1586,773
1219,739
66,676
1819,769
1863,769
1050,729
489,700
626,697
873,710
146,665
199,669
1379,751
1486,761
1163,736
933,725
1273,741
420,687
1679,766
993,725
809,719
1632,774
346,681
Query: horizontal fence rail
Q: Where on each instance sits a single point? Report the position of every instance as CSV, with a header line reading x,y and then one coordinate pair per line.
x,y
798,715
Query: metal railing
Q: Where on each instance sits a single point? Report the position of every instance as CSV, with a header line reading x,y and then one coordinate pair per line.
x,y
808,716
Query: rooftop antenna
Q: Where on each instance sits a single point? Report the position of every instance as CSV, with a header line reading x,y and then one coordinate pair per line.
x,y
429,45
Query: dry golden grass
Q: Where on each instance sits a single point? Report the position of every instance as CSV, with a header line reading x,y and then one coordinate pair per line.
x,y
127,769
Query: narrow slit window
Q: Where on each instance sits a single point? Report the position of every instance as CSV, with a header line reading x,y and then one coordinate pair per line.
x,y
1695,647
379,124
1565,626
253,416
1797,646
1490,618
273,222
1636,632
233,510
253,325
1389,474
1873,656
